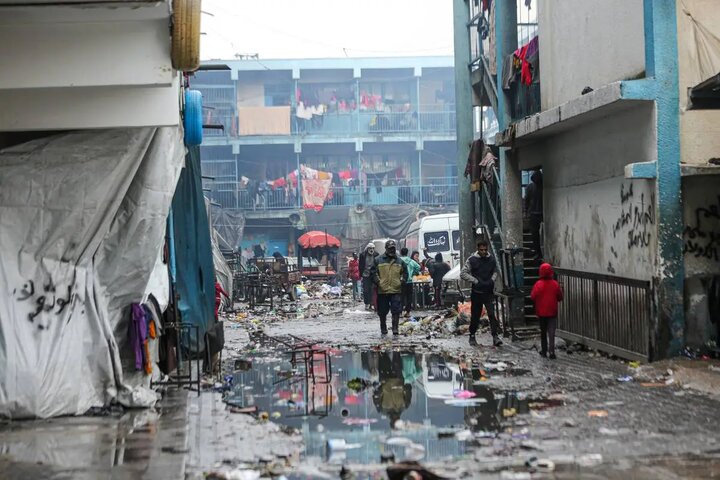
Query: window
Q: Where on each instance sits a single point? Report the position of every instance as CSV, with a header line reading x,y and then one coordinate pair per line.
x,y
277,95
437,241
456,240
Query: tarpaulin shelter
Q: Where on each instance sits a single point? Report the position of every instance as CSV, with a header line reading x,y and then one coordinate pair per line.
x,y
194,276
82,220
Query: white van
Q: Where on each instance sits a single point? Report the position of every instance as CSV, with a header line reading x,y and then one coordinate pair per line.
x,y
380,245
437,233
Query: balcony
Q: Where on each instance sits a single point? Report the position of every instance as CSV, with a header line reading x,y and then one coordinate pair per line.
x,y
433,192
428,120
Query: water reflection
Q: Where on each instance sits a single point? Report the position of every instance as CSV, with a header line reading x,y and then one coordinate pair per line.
x,y
358,400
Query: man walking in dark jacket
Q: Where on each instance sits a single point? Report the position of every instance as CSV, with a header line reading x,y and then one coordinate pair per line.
x,y
365,264
389,273
481,270
438,269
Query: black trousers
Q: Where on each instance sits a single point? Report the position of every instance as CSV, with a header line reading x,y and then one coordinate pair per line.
x,y
407,296
535,222
367,287
389,303
547,334
478,301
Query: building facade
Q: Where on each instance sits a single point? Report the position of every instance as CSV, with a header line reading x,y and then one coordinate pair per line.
x,y
623,125
384,128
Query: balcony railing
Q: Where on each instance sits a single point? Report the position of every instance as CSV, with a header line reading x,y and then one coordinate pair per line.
x,y
428,121
232,195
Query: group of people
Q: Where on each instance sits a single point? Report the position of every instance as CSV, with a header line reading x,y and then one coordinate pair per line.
x,y
365,286
390,276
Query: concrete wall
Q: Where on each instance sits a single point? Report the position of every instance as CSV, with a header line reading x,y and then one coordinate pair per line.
x,y
588,43
701,203
595,219
698,60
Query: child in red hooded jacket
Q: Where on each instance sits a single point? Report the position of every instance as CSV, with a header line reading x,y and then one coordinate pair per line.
x,y
546,294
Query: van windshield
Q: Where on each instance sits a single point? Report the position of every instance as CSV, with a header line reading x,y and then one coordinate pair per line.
x,y
437,241
456,240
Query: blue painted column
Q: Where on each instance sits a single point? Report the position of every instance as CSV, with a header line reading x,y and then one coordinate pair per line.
x,y
662,63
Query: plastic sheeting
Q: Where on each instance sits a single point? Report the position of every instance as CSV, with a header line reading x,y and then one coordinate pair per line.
x,y
222,270
82,218
195,275
703,46
230,225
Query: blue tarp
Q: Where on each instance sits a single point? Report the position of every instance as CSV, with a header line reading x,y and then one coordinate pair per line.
x,y
195,272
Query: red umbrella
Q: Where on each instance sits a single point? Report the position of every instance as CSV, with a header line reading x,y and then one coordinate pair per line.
x,y
318,239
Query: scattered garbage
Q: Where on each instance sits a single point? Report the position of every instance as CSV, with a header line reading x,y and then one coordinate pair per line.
x,y
634,364
339,444
509,412
625,378
589,460
237,474
598,413
357,384
465,402
464,394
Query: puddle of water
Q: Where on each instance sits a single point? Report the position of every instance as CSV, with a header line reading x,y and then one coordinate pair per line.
x,y
429,397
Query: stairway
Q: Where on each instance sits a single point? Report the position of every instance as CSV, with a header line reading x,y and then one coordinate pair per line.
x,y
531,327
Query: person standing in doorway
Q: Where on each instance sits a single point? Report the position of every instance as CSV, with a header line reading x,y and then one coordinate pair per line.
x,y
534,210
413,268
480,269
366,262
546,294
389,273
354,275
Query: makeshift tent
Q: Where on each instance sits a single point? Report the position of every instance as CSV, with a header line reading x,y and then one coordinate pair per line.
x,y
82,219
195,277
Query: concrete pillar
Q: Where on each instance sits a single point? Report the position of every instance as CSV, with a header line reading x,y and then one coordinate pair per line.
x,y
463,101
662,64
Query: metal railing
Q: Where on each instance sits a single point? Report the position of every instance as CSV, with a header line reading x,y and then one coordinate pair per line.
x,y
354,123
232,195
612,314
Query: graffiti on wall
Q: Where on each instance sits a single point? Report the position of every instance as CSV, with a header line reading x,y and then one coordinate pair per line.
x,y
702,236
43,298
637,218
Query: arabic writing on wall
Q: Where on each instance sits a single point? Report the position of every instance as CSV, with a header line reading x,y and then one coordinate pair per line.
x,y
702,237
637,219
44,297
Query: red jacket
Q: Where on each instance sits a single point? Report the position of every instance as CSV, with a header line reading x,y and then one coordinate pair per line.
x,y
354,269
546,293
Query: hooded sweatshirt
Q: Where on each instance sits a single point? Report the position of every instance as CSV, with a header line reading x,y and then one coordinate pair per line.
x,y
546,293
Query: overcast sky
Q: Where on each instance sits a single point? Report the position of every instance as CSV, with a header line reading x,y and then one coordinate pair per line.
x,y
326,28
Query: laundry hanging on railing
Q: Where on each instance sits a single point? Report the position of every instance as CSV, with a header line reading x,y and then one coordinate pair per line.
x,y
315,187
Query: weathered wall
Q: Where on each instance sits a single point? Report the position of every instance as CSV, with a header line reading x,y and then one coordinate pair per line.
x,y
595,219
701,203
698,60
588,43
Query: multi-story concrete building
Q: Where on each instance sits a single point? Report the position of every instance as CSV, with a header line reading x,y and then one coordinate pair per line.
x,y
621,117
384,127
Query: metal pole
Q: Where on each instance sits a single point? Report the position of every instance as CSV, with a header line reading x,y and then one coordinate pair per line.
x,y
419,128
299,187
